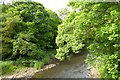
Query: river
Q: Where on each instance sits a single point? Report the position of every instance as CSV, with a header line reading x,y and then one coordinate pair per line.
x,y
75,68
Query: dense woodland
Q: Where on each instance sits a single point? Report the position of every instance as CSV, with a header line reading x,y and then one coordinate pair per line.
x,y
33,34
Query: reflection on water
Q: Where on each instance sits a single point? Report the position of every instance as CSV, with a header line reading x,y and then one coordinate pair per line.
x,y
75,68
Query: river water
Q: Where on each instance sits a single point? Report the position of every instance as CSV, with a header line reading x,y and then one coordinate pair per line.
x,y
75,68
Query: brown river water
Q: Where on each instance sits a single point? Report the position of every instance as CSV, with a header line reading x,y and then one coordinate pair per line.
x,y
75,68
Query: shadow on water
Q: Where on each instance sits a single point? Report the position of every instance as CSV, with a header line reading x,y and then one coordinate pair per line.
x,y
75,68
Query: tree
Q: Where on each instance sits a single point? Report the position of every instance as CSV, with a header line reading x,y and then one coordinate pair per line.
x,y
53,21
28,30
96,28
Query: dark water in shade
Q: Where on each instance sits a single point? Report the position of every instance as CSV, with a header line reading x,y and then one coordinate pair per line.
x,y
75,68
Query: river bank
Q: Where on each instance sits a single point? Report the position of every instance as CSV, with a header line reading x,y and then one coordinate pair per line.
x,y
94,73
27,72
75,68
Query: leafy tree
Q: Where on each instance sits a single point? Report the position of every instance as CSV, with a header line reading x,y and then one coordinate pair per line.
x,y
53,21
95,27
27,29
8,32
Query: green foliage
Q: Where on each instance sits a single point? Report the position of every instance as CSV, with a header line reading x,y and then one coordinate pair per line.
x,y
8,32
95,27
36,60
63,12
6,67
28,32
28,29
53,21
38,65
22,44
45,60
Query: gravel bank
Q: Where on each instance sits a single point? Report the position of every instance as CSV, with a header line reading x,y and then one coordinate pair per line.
x,y
27,72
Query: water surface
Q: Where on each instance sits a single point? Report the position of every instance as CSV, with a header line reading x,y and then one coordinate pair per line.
x,y
75,68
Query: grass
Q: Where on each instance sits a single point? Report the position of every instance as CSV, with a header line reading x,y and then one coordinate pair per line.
x,y
38,65
8,67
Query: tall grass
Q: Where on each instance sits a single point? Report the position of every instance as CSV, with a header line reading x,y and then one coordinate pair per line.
x,y
38,65
6,67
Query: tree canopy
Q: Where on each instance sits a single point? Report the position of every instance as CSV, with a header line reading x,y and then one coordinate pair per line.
x,y
27,28
96,27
